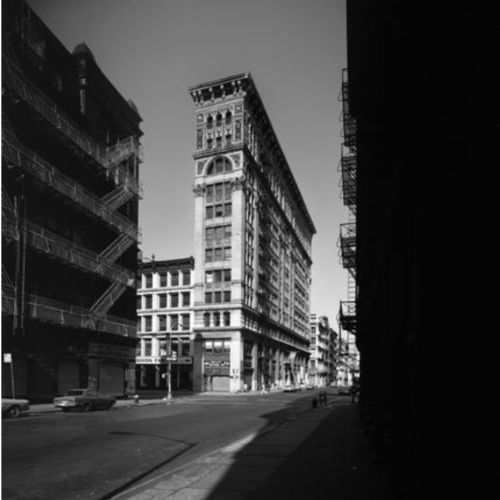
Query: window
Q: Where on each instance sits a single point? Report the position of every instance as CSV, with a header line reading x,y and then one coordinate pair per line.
x,y
218,118
162,323
174,322
185,322
185,348
162,300
174,300
186,299
228,118
148,301
210,122
149,280
174,278
219,165
221,210
139,302
186,277
148,320
218,276
163,279
209,346
147,347
216,319
227,318
209,212
206,319
217,297
209,255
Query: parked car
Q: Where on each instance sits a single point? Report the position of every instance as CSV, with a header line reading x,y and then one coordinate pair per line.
x,y
84,400
290,388
13,408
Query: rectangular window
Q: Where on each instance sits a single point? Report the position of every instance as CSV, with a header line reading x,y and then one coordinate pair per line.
x,y
217,297
148,301
227,209
186,278
162,297
162,323
209,255
149,280
185,348
139,302
227,253
227,296
208,297
148,323
174,322
218,254
174,300
218,345
210,233
163,279
147,347
185,322
209,346
209,212
174,278
186,299
219,210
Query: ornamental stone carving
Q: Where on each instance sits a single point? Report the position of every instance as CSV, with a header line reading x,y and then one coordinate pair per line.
x,y
199,190
238,184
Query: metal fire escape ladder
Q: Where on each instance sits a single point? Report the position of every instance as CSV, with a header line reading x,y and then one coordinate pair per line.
x,y
116,198
106,301
348,166
117,248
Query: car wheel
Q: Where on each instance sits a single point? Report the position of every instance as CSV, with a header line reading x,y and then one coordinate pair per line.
x,y
14,412
85,407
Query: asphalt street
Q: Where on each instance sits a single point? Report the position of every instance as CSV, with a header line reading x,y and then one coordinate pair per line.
x,y
83,456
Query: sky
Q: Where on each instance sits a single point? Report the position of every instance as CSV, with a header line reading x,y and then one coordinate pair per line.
x,y
153,50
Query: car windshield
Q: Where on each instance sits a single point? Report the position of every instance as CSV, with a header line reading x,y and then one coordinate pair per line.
x,y
76,392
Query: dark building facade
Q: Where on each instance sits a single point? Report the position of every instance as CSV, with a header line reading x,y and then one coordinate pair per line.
x,y
70,191
423,91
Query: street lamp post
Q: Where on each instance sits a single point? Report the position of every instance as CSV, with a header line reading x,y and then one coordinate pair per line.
x,y
169,368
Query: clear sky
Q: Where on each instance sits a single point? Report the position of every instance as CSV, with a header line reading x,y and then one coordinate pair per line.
x,y
153,50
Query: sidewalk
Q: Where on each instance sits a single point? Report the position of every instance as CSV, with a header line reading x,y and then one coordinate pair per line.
x,y
319,453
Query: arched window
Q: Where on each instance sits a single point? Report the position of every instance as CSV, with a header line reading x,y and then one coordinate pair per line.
x,y
228,118
218,120
210,121
227,318
219,166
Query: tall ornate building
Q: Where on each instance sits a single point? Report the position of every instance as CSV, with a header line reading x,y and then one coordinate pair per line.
x,y
253,237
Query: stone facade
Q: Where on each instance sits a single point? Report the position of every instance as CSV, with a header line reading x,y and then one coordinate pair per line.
x,y
253,237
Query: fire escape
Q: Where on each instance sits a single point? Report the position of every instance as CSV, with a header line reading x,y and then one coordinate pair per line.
x,y
347,312
108,159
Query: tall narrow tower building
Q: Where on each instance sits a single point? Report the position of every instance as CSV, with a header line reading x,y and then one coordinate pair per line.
x,y
253,237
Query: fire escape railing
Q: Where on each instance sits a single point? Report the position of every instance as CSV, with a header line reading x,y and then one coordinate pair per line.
x,y
347,240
